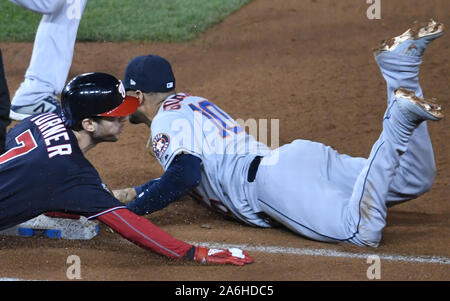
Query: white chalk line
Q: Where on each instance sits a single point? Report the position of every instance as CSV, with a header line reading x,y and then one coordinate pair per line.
x,y
310,252
327,253
16,279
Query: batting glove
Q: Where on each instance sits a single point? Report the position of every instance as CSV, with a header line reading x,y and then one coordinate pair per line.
x,y
233,256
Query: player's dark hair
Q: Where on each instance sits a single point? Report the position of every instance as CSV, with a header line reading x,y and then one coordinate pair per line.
x,y
79,125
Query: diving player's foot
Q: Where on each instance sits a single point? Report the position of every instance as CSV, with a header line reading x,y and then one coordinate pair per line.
x,y
414,41
417,109
47,104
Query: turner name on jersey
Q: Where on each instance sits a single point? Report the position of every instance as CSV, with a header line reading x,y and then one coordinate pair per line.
x,y
54,134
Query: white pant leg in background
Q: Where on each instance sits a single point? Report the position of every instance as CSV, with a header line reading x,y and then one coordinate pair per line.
x,y
40,6
53,48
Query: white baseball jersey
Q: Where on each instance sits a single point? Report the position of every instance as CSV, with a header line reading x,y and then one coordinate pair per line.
x,y
194,125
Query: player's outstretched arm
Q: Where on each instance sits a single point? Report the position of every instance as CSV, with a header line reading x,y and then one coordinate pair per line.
x,y
126,195
142,232
183,174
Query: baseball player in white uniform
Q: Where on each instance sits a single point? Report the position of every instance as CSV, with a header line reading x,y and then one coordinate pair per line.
x,y
306,186
52,56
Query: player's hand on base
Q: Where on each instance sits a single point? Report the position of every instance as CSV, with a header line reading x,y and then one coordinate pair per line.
x,y
125,195
233,256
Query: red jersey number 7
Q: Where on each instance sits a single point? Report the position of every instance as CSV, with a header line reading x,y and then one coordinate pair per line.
x,y
26,144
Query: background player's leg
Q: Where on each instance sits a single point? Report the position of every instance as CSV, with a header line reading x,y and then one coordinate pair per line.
x,y
51,59
40,6
400,68
4,105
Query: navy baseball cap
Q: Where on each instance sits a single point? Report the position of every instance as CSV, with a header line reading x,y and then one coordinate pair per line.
x,y
149,73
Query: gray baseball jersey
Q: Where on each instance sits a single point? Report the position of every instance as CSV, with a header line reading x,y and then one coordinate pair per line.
x,y
194,125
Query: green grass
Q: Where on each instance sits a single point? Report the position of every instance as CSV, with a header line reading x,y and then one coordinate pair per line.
x,y
120,20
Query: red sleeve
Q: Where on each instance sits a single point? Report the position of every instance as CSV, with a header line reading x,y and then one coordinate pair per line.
x,y
56,214
142,232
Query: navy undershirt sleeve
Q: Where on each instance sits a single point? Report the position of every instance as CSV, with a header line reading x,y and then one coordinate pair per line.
x,y
183,174
139,189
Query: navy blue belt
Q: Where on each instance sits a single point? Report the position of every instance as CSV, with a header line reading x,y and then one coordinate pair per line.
x,y
253,169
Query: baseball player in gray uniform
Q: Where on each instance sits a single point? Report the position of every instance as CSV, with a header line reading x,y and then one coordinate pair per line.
x,y
306,186
52,56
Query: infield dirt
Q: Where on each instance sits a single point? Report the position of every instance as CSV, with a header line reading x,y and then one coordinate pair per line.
x,y
308,64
